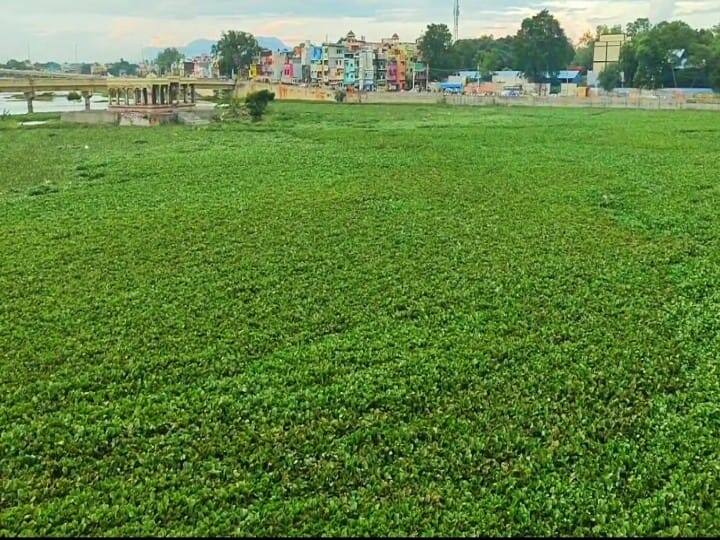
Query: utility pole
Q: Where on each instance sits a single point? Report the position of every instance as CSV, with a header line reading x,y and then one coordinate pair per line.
x,y
456,17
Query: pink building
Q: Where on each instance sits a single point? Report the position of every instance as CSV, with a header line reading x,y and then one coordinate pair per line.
x,y
288,72
396,74
266,65
203,67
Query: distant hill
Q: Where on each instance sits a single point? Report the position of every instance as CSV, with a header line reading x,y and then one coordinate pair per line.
x,y
272,43
204,46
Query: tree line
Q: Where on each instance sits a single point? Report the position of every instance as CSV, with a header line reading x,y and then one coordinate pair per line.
x,y
121,67
669,54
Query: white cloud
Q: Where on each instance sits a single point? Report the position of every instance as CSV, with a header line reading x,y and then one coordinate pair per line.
x,y
107,29
661,10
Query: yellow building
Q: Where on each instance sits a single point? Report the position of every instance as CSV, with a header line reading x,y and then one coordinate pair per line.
x,y
607,51
254,71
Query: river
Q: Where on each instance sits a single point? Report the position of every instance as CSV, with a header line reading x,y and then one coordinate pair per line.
x,y
59,103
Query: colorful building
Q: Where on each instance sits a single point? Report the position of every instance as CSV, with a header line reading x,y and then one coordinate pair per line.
x,y
381,64
350,70
265,64
287,73
279,60
397,70
366,69
352,44
333,64
355,63
419,74
204,67
315,55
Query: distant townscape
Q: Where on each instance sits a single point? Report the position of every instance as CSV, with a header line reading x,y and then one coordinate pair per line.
x,y
538,60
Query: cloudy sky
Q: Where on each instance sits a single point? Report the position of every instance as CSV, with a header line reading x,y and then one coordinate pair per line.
x,y
107,29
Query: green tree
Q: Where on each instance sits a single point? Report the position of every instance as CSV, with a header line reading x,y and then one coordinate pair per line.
x,y
668,54
542,48
122,68
257,102
629,61
464,52
495,55
236,52
17,65
585,52
638,27
713,62
167,58
489,61
609,78
675,35
435,47
699,61
604,30
584,57
651,61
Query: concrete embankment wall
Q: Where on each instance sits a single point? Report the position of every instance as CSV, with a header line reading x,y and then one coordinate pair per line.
x,y
288,92
138,119
394,97
600,102
91,117
299,93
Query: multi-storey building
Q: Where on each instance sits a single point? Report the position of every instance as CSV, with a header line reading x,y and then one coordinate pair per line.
x,y
333,64
279,59
396,70
204,67
381,62
297,69
366,69
350,70
265,65
287,73
356,63
351,43
419,74
400,55
316,64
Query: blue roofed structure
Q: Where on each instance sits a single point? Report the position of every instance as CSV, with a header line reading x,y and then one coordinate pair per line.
x,y
452,87
568,76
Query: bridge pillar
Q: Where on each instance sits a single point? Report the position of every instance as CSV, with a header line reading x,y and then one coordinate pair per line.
x,y
29,96
87,95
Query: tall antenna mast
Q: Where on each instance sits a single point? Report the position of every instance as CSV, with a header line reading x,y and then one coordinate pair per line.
x,y
456,15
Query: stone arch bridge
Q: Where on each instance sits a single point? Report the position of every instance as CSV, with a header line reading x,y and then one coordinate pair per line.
x,y
131,92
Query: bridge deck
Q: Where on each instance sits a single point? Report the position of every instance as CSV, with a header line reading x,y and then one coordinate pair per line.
x,y
91,84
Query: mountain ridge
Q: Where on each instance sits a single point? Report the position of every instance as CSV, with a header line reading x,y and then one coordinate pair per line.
x,y
202,46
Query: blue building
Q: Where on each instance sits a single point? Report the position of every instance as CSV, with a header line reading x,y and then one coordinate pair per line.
x,y
351,70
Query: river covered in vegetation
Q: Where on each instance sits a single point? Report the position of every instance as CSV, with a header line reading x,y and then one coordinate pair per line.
x,y
50,102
